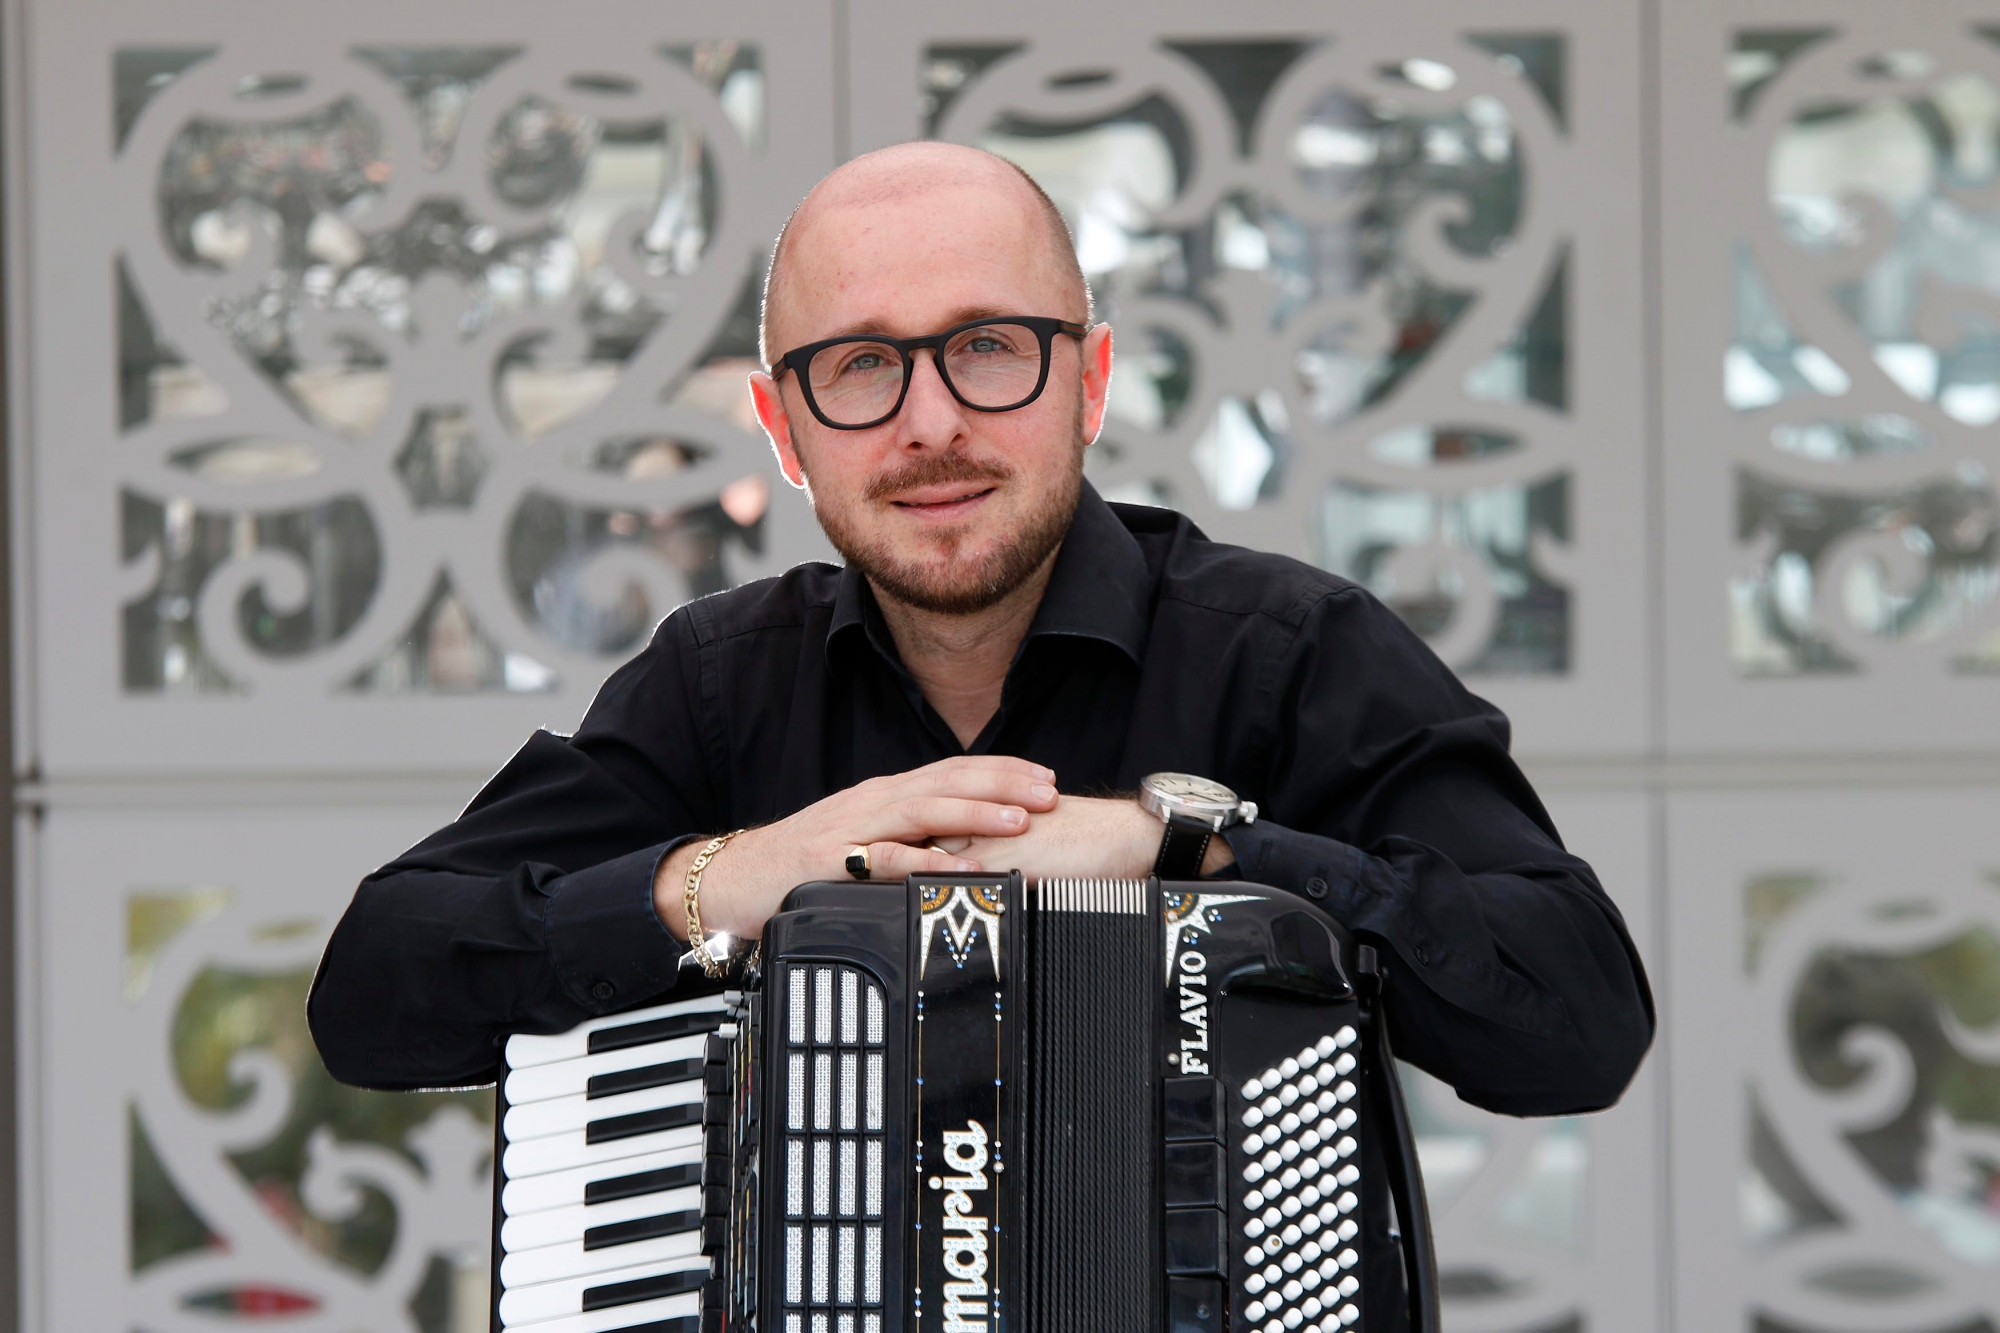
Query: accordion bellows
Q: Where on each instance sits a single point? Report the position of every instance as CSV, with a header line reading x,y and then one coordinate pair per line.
x,y
959,1105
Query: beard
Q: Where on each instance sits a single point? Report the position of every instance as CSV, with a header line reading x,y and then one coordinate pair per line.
x,y
943,582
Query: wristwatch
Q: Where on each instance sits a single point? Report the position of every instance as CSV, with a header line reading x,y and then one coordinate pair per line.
x,y
1194,810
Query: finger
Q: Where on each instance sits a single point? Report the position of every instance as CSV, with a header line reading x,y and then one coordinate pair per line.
x,y
1002,786
951,846
893,860
996,763
917,819
981,777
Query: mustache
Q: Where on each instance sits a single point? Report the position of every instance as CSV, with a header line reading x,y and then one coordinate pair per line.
x,y
932,470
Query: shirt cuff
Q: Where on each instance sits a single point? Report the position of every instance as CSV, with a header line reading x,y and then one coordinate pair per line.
x,y
609,946
1322,869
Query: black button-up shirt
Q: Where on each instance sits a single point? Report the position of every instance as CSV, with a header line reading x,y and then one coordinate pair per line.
x,y
1385,790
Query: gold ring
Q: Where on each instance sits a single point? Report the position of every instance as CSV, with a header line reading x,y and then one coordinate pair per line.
x,y
857,863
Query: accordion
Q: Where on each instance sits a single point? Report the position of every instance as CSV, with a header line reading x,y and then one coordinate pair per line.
x,y
973,1105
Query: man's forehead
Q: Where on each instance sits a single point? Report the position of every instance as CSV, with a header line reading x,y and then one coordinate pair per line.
x,y
909,264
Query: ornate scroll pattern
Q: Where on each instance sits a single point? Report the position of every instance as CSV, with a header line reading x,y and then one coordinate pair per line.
x,y
1873,1194
1509,1202
458,340
268,1253
1865,366
1339,295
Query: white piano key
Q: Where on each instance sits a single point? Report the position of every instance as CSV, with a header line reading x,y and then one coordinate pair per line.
x,y
525,1049
637,1314
559,1152
557,1226
551,1263
561,1299
559,1115
560,1189
571,1078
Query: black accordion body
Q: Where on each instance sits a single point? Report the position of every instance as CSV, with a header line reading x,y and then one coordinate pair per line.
x,y
971,1105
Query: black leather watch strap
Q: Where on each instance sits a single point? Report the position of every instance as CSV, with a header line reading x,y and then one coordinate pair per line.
x,y
1182,848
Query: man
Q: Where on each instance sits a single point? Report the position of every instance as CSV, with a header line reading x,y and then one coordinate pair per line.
x,y
1003,655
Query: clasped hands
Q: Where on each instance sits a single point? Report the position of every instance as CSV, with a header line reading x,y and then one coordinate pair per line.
x,y
963,815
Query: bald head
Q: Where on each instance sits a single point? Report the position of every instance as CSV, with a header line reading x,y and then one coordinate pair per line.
x,y
913,178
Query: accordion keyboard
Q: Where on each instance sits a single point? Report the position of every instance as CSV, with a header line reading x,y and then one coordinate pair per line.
x,y
1300,1257
600,1155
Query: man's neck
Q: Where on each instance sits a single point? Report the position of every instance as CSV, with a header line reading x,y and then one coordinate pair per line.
x,y
960,661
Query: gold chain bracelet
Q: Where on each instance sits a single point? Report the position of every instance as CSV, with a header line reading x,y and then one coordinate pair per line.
x,y
691,901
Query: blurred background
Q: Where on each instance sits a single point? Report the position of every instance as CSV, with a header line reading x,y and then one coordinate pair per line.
x,y
375,383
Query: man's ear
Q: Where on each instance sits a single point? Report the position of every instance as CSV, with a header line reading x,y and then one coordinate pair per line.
x,y
777,423
1096,379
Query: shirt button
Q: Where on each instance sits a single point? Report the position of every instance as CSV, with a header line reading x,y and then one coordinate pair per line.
x,y
603,990
1315,887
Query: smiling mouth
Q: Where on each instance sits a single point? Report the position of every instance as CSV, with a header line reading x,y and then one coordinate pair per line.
x,y
944,502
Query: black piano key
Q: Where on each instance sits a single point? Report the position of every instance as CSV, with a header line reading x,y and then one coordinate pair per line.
x,y
687,1323
635,1080
644,1289
657,1029
642,1122
638,1229
642,1182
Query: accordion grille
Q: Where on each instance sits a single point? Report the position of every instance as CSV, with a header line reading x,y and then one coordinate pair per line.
x,y
1088,1265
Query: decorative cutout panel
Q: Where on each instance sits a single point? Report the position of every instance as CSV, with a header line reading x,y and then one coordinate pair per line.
x,y
259,1187
399,363
1833,372
1842,1146
1359,318
176,1099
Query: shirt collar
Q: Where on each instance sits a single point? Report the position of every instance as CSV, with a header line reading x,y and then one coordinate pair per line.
x,y
1099,589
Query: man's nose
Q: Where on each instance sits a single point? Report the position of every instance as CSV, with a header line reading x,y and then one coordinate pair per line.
x,y
930,415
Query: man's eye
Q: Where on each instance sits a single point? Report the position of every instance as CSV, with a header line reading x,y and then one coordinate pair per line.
x,y
865,361
985,344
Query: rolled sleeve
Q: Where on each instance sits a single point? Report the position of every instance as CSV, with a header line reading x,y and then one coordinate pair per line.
x,y
606,941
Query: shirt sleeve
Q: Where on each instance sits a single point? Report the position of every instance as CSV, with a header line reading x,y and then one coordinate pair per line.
x,y
533,910
1394,803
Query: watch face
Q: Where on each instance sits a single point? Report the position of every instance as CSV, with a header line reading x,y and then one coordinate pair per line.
x,y
1186,789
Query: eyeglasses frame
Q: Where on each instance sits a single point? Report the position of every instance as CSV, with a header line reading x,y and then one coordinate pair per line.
x,y
1045,327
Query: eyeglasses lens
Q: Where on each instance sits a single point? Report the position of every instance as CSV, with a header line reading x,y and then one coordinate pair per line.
x,y
992,366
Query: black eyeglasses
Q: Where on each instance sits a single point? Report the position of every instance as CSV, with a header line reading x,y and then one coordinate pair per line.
x,y
990,365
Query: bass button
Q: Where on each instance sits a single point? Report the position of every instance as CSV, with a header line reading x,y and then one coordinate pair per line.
x,y
1194,1175
1195,1242
1195,1306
